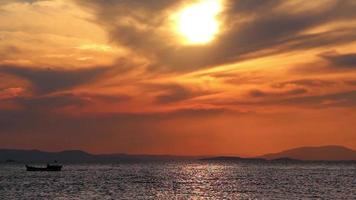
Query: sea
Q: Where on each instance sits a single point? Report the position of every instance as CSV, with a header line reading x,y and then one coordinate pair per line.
x,y
181,180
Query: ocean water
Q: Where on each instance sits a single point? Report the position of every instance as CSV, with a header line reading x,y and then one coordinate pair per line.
x,y
181,180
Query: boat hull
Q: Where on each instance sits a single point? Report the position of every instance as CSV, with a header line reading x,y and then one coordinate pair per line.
x,y
51,168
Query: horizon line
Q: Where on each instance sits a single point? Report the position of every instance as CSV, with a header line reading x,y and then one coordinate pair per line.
x,y
177,155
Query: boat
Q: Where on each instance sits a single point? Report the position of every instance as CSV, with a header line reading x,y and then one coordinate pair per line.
x,y
47,168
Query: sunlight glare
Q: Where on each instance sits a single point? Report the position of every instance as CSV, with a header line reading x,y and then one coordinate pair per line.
x,y
198,23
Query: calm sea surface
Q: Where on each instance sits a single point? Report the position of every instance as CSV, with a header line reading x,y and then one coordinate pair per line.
x,y
181,180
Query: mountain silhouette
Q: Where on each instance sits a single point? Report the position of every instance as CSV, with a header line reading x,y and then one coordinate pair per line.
x,y
325,153
26,156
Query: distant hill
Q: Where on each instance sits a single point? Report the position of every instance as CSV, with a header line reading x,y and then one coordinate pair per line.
x,y
323,153
42,156
28,156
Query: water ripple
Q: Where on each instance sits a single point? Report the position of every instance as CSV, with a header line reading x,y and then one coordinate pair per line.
x,y
181,180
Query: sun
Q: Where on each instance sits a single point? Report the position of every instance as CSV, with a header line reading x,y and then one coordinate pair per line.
x,y
198,23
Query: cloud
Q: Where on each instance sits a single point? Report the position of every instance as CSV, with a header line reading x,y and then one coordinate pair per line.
x,y
51,80
176,93
340,60
173,93
292,92
305,82
108,88
107,98
48,103
341,99
11,92
252,6
281,27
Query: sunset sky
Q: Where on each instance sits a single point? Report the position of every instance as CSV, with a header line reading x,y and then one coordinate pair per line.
x,y
182,77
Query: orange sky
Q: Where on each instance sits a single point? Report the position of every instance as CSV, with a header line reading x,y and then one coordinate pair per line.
x,y
141,77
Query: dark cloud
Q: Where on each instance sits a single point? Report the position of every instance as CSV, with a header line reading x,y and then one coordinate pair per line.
x,y
50,80
270,28
305,82
239,78
341,99
252,6
47,103
324,39
340,60
264,94
176,93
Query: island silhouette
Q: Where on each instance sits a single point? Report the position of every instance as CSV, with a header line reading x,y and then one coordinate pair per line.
x,y
321,153
327,153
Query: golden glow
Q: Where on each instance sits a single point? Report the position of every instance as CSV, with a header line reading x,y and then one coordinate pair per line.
x,y
95,47
198,23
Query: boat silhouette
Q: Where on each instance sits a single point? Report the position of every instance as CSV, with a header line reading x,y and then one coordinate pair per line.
x,y
47,168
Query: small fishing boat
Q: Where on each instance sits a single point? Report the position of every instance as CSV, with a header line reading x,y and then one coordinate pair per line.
x,y
47,168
